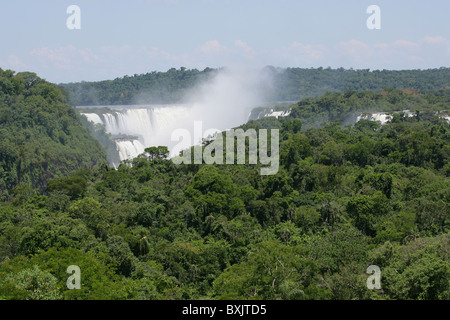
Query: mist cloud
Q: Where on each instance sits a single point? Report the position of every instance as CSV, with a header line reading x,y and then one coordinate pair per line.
x,y
226,99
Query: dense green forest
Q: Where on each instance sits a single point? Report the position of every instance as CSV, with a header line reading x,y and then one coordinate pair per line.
x,y
154,87
291,84
344,107
41,135
345,197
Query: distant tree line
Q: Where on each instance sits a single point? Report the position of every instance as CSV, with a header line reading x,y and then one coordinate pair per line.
x,y
291,84
153,87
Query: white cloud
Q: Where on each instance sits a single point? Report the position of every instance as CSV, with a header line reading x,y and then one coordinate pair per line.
x,y
247,51
308,51
298,54
436,40
437,43
64,58
16,63
401,53
355,49
72,63
405,44
213,47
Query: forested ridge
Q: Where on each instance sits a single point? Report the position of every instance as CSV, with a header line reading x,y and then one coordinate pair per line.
x,y
345,197
290,84
344,107
298,83
41,134
153,87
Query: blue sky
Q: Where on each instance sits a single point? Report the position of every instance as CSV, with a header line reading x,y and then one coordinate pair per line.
x,y
120,38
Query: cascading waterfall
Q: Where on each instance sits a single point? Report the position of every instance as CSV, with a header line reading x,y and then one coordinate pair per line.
x,y
382,117
129,149
376,116
93,117
134,128
130,122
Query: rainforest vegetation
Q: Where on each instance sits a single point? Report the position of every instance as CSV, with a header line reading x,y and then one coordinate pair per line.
x,y
291,84
41,135
346,196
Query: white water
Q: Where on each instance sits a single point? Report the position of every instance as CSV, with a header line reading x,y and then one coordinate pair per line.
x,y
135,128
93,117
383,117
129,149
377,116
223,101
277,114
446,118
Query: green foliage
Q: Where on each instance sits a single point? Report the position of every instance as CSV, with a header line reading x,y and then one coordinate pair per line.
x,y
41,136
294,84
418,270
290,84
337,249
160,152
30,284
343,109
154,87
345,197
74,186
272,271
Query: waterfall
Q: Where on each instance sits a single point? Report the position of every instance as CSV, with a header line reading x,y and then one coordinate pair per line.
x,y
446,118
130,122
277,114
93,117
376,116
134,128
129,149
383,117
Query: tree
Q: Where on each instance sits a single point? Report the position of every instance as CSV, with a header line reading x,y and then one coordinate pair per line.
x,y
306,218
333,251
41,135
423,279
160,152
366,211
272,271
74,186
30,284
